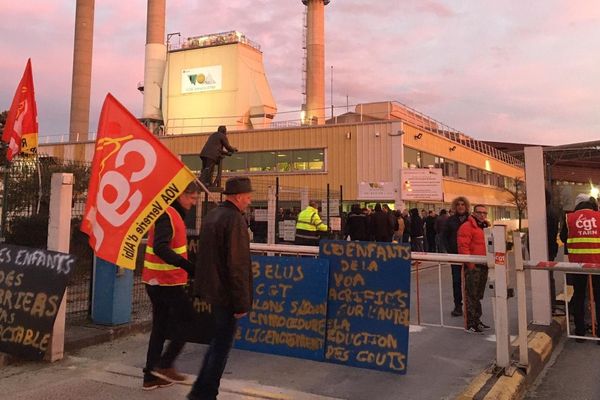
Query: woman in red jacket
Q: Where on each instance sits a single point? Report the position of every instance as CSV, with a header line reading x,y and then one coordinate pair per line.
x,y
471,240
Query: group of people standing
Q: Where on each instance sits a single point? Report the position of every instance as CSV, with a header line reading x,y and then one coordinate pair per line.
x,y
422,230
455,232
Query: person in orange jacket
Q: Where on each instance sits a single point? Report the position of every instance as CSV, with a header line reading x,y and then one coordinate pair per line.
x,y
471,241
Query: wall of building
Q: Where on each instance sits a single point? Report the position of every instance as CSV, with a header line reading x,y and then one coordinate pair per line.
x,y
244,92
354,153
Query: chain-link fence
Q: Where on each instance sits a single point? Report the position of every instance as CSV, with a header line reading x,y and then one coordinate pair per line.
x,y
25,216
286,203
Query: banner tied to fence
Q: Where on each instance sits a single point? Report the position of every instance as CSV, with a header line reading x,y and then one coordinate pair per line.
x,y
134,179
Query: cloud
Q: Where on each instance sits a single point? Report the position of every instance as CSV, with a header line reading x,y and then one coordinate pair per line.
x,y
494,70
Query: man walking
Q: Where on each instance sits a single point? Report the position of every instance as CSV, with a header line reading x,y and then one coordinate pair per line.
x,y
471,241
460,209
223,280
309,225
165,273
212,153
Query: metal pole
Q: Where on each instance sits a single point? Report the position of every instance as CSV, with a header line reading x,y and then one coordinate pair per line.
x,y
4,201
331,93
521,300
277,208
440,293
328,207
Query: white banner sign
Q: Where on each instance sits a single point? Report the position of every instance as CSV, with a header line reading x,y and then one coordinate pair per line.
x,y
201,79
335,208
260,215
289,230
422,184
376,191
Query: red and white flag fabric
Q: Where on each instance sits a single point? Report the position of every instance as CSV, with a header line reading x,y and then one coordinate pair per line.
x,y
134,179
21,128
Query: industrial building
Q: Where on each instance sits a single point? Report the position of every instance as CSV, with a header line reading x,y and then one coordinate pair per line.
x,y
219,79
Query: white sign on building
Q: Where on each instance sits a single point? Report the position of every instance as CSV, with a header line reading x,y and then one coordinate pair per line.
x,y
201,79
376,191
422,184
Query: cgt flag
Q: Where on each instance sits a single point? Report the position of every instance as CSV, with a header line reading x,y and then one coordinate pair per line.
x,y
21,129
134,179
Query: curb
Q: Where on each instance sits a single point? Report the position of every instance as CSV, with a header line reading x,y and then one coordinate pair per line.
x,y
78,337
494,385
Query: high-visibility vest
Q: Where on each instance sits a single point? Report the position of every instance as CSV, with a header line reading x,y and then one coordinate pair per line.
x,y
309,220
156,271
583,241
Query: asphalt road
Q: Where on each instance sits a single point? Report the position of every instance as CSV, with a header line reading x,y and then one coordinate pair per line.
x,y
573,373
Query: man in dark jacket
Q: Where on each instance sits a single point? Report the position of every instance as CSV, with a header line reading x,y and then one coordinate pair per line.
x,y
460,212
213,152
416,230
356,224
381,224
223,279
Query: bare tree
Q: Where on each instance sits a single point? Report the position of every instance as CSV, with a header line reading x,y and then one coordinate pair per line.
x,y
518,197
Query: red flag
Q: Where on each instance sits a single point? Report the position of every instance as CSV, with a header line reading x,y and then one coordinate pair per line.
x,y
134,178
21,128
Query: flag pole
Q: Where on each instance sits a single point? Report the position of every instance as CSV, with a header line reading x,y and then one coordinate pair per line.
x,y
5,168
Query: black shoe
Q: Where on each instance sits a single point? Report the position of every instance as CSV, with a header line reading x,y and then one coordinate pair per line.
x,y
483,326
474,330
457,312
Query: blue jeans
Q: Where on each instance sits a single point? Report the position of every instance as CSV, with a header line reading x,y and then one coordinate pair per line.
x,y
207,384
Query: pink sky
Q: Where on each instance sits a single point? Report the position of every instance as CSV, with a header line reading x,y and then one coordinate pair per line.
x,y
505,70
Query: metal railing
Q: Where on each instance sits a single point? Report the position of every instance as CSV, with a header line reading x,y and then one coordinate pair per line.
x,y
550,266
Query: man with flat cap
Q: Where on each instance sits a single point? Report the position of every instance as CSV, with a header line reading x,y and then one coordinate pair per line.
x,y
213,152
223,279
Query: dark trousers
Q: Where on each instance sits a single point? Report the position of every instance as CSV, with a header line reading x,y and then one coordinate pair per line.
x,y
208,170
431,245
207,384
580,289
475,281
416,243
457,284
169,303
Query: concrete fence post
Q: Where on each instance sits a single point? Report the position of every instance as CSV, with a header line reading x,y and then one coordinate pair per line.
x,y
59,236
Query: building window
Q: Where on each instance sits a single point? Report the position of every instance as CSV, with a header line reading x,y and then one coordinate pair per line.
x,y
235,163
427,160
450,169
462,171
412,158
266,161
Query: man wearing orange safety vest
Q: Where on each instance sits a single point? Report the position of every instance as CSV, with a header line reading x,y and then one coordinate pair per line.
x,y
583,244
165,273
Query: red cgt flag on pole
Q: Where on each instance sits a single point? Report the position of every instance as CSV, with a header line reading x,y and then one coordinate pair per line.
x,y
21,129
134,179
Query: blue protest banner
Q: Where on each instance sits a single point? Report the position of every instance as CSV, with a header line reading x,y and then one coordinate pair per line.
x,y
289,308
368,309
